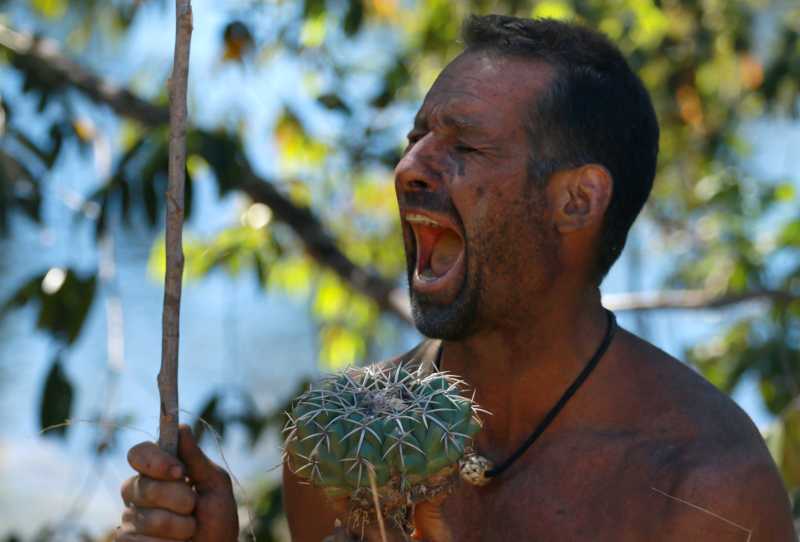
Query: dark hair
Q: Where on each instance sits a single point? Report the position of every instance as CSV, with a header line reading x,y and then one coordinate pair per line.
x,y
596,110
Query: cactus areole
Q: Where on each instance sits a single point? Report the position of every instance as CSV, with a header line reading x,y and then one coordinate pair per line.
x,y
410,429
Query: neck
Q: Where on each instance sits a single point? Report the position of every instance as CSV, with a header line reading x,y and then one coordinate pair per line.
x,y
520,372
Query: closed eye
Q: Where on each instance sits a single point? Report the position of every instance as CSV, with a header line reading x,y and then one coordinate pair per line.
x,y
412,138
465,149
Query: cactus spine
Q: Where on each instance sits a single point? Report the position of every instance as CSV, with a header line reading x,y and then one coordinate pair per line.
x,y
410,429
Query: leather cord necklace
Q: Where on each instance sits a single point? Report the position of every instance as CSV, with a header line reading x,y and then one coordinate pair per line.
x,y
479,471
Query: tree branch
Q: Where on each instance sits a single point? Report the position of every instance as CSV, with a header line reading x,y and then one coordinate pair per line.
x,y
688,299
43,57
323,248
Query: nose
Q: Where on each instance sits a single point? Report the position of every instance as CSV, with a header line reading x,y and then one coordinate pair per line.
x,y
417,170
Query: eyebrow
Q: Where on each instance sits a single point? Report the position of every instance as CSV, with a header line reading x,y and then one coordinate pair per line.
x,y
459,122
451,121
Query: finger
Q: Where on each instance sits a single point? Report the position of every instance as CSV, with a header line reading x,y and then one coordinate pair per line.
x,y
145,492
158,523
429,524
148,459
205,474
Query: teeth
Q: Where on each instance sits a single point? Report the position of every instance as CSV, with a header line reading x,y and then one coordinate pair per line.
x,y
428,274
421,219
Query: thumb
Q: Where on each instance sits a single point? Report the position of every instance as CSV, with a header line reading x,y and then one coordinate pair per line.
x,y
204,473
429,524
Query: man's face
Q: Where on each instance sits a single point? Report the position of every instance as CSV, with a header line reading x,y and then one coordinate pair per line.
x,y
476,229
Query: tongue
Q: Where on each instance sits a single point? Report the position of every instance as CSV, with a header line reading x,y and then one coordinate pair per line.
x,y
445,252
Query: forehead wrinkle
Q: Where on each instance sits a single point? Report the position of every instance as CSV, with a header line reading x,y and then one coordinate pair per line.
x,y
449,95
448,116
454,121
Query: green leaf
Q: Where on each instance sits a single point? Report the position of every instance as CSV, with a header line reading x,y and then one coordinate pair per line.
x,y
785,192
353,18
150,198
269,511
224,154
237,41
333,101
396,78
313,8
255,424
140,182
790,234
52,9
64,300
56,403
553,9
783,439
19,191
340,347
209,416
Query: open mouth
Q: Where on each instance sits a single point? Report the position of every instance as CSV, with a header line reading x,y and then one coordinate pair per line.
x,y
439,252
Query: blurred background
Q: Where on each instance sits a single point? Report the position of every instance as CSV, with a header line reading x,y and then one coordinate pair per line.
x,y
294,265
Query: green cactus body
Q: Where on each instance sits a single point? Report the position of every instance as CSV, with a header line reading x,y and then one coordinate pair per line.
x,y
410,429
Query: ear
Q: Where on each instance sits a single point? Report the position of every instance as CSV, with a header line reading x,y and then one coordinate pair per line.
x,y
579,197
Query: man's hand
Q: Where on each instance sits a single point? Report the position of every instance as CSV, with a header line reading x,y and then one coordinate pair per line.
x,y
328,520
429,522
429,525
182,498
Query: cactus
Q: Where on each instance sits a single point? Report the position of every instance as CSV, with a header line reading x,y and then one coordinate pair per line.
x,y
405,430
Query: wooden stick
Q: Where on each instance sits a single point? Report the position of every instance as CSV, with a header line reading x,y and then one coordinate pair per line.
x,y
168,375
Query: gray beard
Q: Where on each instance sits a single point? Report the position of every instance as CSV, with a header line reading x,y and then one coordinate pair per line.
x,y
453,321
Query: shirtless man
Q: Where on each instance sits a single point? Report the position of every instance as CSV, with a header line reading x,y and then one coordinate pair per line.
x,y
529,160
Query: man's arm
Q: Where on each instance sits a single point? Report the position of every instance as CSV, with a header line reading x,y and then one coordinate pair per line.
x,y
737,497
309,512
312,517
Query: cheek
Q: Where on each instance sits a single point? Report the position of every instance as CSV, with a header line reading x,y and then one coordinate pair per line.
x,y
458,165
484,213
495,208
478,197
510,237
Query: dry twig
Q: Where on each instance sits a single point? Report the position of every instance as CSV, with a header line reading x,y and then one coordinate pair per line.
x,y
376,501
168,375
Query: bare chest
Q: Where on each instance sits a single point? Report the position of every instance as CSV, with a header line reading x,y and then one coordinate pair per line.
x,y
568,492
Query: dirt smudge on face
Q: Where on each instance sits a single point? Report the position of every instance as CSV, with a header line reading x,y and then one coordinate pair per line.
x,y
460,163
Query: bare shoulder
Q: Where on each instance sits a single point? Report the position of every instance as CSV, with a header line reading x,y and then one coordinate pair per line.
x,y
718,482
675,400
310,514
719,494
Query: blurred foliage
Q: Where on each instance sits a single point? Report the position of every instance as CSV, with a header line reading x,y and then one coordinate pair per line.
x,y
711,66
56,402
63,298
